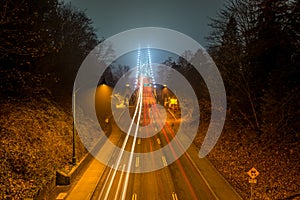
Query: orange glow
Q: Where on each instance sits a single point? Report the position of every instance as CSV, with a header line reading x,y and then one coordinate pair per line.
x,y
103,101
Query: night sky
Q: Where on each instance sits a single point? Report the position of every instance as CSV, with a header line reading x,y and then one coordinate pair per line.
x,y
189,17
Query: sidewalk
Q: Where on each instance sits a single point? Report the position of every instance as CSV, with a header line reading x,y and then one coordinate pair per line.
x,y
88,182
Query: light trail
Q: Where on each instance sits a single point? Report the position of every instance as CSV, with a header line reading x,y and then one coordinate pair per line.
x,y
105,183
122,150
179,164
137,115
138,107
119,184
134,140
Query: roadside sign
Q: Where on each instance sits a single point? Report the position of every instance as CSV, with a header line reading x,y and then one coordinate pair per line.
x,y
253,173
252,180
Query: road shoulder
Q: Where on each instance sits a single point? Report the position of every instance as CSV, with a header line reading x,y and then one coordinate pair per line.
x,y
221,188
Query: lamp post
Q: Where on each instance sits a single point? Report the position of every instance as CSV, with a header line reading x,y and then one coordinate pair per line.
x,y
74,162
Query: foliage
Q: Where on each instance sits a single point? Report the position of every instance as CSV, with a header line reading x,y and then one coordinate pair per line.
x,y
251,42
238,150
119,71
42,44
25,33
36,140
184,67
15,83
74,38
280,112
45,36
255,44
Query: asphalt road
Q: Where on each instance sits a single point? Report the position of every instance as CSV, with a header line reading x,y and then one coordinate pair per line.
x,y
179,180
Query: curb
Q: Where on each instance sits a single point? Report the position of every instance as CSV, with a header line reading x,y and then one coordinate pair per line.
x,y
66,179
62,178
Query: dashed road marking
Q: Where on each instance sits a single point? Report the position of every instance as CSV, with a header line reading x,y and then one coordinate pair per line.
x,y
174,196
164,161
134,196
121,167
137,161
158,141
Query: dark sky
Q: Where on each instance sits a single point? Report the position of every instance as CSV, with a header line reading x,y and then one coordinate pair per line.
x,y
189,17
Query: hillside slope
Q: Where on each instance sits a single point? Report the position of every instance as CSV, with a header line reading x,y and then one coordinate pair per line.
x,y
35,140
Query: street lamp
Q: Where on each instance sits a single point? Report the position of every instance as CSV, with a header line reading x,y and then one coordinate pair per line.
x,y
74,131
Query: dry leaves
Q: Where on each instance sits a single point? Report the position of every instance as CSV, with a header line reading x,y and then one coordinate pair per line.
x,y
278,161
35,140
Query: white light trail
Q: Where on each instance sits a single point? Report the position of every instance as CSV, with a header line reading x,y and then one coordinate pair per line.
x,y
134,140
123,146
151,69
122,149
119,184
105,183
138,111
138,68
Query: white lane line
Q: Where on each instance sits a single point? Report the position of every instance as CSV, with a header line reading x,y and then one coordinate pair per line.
x,y
134,196
174,196
158,141
138,108
164,161
140,103
119,184
139,141
137,161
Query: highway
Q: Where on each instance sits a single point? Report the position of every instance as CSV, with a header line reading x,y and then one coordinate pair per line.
x,y
146,156
179,180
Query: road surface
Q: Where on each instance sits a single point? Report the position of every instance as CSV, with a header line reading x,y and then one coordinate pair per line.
x,y
179,180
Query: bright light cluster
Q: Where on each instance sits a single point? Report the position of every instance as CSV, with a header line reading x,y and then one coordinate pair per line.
x,y
144,68
138,69
151,70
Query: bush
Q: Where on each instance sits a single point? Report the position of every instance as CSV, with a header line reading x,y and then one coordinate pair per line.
x,y
35,140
